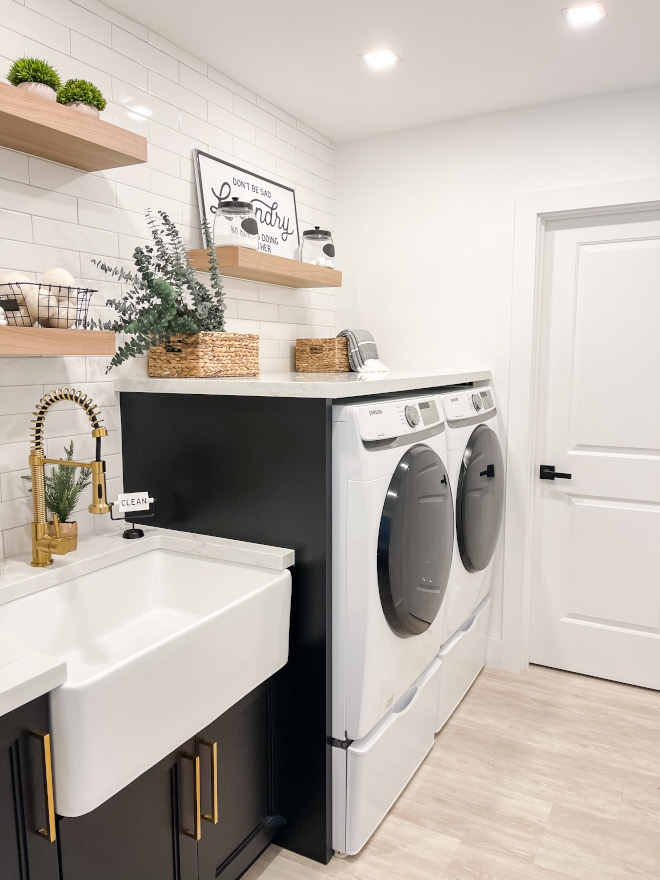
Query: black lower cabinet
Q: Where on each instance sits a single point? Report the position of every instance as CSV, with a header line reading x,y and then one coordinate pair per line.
x,y
28,850
207,810
137,834
248,813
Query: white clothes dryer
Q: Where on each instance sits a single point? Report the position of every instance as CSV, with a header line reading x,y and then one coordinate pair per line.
x,y
393,533
476,471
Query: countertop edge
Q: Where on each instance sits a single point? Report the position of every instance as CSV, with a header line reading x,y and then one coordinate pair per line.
x,y
304,385
32,676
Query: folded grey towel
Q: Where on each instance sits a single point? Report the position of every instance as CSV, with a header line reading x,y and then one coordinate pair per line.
x,y
361,347
362,352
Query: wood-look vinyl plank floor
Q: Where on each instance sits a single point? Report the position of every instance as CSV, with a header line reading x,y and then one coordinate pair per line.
x,y
540,776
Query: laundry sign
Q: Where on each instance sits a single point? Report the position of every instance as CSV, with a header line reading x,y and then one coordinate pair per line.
x,y
274,204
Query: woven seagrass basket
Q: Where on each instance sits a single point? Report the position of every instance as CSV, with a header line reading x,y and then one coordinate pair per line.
x,y
196,355
322,355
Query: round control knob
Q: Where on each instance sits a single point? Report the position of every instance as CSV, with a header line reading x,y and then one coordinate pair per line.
x,y
412,416
476,401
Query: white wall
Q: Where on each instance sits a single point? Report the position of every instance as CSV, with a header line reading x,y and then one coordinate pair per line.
x,y
51,215
425,222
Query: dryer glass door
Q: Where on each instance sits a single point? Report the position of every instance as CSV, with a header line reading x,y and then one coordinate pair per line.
x,y
480,499
415,542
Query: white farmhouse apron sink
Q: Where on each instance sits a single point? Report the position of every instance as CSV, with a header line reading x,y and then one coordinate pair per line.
x,y
157,646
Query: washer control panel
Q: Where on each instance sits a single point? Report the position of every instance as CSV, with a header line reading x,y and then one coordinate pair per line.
x,y
387,419
467,404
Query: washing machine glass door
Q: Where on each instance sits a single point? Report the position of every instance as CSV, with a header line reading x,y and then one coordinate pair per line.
x,y
415,542
480,499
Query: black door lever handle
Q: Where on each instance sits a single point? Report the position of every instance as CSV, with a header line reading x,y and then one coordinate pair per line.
x,y
489,472
547,472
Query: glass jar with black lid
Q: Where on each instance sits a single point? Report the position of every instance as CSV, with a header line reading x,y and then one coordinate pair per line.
x,y
235,224
317,247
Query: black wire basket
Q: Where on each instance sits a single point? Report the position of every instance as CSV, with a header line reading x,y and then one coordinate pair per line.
x,y
48,305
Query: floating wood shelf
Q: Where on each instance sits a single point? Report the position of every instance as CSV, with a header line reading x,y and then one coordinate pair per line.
x,y
44,128
42,340
239,262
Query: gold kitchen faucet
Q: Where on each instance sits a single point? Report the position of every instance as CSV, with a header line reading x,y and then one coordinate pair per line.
x,y
44,544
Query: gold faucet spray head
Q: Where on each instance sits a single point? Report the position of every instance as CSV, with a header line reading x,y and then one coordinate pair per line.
x,y
99,501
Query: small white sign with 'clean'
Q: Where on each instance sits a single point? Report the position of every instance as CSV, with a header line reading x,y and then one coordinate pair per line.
x,y
132,502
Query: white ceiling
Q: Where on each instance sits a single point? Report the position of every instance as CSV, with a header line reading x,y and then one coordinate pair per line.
x,y
459,57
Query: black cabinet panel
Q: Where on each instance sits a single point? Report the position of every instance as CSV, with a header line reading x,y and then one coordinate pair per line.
x,y
257,469
247,810
136,834
24,853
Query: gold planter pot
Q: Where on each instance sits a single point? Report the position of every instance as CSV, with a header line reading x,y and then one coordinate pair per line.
x,y
199,355
67,530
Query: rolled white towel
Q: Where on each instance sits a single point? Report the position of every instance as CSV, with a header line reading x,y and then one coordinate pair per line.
x,y
373,365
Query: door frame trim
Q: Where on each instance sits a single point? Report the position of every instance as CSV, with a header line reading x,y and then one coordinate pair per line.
x,y
532,211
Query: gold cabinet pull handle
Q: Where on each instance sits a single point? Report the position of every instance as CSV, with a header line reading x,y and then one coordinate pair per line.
x,y
49,832
196,833
213,746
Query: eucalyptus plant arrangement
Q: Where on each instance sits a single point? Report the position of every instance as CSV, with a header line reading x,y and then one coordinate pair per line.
x,y
165,299
63,486
83,92
29,70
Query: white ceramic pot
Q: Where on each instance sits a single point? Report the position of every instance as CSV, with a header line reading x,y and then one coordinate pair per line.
x,y
40,89
84,108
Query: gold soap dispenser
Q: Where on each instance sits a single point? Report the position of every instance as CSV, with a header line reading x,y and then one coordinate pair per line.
x,y
44,544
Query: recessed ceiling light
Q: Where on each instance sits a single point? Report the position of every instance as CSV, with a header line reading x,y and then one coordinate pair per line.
x,y
381,59
584,14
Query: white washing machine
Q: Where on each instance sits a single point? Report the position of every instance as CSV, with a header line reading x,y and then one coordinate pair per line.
x,y
393,533
476,470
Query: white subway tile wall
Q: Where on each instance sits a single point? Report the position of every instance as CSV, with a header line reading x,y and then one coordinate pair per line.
x,y
52,215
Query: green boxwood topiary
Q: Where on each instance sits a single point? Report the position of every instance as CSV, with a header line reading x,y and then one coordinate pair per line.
x,y
33,70
83,91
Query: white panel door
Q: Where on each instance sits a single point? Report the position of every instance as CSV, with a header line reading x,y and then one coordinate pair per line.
x,y
596,582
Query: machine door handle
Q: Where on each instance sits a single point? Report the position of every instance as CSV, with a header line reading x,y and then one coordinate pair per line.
x,y
547,472
489,472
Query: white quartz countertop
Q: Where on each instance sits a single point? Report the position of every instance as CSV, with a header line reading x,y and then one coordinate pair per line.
x,y
34,674
332,386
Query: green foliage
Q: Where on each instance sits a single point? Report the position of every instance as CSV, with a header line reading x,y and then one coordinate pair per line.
x,y
33,70
62,488
83,91
165,298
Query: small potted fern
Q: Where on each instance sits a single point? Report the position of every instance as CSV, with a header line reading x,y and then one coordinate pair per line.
x,y
63,486
35,76
79,94
169,313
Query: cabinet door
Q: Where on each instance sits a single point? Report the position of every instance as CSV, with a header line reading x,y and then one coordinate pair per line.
x,y
245,781
139,834
26,824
